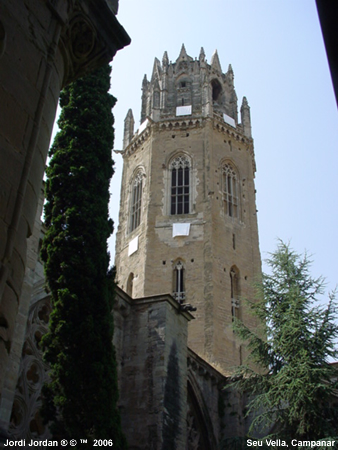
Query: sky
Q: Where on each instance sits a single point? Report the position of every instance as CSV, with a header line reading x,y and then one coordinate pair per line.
x,y
278,57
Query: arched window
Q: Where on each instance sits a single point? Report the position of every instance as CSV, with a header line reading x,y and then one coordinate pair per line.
x,y
230,188
136,201
234,280
156,99
216,91
179,292
180,185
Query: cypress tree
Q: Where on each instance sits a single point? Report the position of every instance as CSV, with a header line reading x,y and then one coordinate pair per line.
x,y
81,398
290,380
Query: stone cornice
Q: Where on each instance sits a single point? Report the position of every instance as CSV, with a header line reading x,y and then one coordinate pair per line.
x,y
190,122
124,303
204,369
236,135
138,140
180,123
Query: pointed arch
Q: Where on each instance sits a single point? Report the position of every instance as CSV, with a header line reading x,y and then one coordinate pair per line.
x,y
180,184
200,433
230,189
217,91
136,199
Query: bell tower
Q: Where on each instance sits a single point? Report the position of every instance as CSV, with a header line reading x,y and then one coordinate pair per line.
x,y
188,223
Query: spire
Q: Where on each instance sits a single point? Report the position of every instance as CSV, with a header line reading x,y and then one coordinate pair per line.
x,y
245,117
215,64
145,90
156,69
165,60
230,75
129,123
145,82
245,103
183,54
202,55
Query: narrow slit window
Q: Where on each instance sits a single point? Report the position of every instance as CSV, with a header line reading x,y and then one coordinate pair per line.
x,y
136,202
230,197
179,292
234,280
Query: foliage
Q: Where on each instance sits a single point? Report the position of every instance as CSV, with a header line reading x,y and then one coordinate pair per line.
x,y
289,377
82,394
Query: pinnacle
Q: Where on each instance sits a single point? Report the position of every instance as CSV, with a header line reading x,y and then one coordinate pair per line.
x,y
215,63
145,81
157,68
183,53
202,54
245,102
129,113
165,59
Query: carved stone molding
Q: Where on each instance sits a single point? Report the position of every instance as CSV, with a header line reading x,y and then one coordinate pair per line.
x,y
90,37
137,141
193,433
26,421
82,38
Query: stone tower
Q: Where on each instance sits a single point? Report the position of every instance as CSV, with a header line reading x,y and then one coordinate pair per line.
x,y
188,223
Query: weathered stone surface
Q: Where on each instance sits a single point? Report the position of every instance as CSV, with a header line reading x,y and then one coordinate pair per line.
x,y
151,345
43,46
217,242
171,396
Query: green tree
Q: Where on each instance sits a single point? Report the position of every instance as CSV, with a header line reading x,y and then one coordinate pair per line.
x,y
81,398
288,376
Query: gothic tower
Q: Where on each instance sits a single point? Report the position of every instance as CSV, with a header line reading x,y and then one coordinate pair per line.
x,y
188,223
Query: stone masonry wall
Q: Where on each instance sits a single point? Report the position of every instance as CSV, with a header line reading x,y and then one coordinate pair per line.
x,y
43,46
216,242
190,118
151,346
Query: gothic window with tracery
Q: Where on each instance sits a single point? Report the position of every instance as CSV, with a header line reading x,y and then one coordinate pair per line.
x,y
136,201
179,292
180,185
230,188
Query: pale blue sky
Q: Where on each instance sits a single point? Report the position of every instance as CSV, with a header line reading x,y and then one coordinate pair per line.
x,y
277,53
